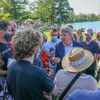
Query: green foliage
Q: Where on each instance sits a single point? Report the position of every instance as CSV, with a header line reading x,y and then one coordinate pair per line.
x,y
63,7
41,8
5,16
87,17
46,10
47,33
15,8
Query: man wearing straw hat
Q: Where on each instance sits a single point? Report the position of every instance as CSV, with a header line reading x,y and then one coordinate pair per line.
x,y
77,60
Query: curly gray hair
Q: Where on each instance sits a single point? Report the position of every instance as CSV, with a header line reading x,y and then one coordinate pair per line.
x,y
25,42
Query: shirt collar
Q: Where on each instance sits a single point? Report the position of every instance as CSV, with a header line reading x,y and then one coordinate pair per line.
x,y
70,45
29,59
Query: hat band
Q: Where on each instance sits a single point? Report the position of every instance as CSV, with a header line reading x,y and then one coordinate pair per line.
x,y
78,62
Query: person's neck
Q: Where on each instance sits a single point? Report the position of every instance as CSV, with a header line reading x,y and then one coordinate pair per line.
x,y
67,43
30,59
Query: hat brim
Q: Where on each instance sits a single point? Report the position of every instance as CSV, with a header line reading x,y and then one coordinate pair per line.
x,y
89,60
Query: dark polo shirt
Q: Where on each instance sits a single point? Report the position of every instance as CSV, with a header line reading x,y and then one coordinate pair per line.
x,y
28,82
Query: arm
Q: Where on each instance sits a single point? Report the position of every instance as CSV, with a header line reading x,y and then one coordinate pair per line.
x,y
2,72
47,83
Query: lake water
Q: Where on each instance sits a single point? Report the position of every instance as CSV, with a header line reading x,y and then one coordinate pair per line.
x,y
95,25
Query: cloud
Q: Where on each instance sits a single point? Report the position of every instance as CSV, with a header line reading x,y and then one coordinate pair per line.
x,y
85,6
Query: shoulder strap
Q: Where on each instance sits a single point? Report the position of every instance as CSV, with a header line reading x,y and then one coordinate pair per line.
x,y
69,86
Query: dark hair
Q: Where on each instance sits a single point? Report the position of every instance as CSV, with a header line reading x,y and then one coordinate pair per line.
x,y
54,30
98,35
3,25
69,25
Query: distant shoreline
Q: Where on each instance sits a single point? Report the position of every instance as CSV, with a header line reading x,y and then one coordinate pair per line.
x,y
95,25
84,21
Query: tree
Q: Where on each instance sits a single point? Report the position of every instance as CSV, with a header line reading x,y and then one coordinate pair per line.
x,y
63,8
41,9
87,17
52,9
3,15
16,8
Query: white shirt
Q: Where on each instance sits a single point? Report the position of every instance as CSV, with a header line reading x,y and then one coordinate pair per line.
x,y
68,48
63,78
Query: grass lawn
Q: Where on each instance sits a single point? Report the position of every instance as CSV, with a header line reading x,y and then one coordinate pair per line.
x,y
99,83
47,33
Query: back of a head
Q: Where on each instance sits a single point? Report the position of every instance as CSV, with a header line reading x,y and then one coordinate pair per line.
x,y
25,41
28,21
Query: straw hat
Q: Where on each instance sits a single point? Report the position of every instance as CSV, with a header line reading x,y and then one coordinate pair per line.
x,y
77,60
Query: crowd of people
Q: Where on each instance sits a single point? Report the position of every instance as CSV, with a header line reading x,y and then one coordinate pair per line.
x,y
66,67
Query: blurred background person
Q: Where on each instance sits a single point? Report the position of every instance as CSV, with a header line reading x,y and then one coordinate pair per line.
x,y
13,26
29,23
93,47
98,38
75,62
79,35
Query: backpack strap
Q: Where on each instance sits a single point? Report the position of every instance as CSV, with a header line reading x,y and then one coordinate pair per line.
x,y
69,86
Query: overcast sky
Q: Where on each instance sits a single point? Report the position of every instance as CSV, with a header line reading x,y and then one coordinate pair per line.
x,y
85,6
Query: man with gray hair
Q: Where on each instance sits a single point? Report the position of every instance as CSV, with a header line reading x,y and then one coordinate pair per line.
x,y
64,47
